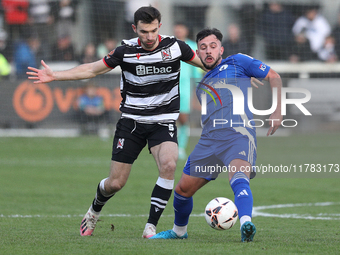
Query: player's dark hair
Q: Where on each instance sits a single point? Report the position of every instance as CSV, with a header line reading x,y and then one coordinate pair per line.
x,y
209,31
147,14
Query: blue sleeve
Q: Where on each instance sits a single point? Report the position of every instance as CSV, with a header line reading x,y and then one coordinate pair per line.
x,y
253,67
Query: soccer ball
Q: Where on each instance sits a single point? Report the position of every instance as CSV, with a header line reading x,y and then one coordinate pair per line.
x,y
221,213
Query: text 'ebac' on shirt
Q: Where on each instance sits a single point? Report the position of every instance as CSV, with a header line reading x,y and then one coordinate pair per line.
x,y
150,79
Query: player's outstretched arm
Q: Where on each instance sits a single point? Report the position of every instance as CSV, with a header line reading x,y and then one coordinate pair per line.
x,y
275,118
85,71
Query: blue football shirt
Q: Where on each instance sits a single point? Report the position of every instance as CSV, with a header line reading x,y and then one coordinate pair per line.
x,y
235,71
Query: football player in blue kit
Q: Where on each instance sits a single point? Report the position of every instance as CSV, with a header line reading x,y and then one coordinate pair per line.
x,y
227,139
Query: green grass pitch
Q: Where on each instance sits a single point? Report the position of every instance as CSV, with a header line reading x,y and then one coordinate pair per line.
x,y
47,185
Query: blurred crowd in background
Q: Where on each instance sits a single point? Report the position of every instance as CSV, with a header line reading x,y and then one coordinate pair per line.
x,y
31,30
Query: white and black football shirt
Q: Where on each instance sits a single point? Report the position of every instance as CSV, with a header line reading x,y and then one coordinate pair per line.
x,y
150,79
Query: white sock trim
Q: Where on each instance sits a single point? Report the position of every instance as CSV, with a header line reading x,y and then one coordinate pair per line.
x,y
150,224
165,183
243,219
102,188
93,211
180,230
101,184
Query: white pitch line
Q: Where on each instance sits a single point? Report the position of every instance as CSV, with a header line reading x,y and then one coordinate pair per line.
x,y
257,211
295,205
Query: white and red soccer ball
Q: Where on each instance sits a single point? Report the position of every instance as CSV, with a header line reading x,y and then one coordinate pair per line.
x,y
221,213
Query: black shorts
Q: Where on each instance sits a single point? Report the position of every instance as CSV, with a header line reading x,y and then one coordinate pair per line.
x,y
131,137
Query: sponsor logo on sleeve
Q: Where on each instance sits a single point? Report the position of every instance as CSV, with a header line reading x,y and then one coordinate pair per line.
x,y
263,67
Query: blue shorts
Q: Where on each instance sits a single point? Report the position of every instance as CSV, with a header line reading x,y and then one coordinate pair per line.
x,y
211,157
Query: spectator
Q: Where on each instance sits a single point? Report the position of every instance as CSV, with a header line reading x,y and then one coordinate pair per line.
x,y
91,109
276,28
5,67
104,48
26,54
65,16
193,14
315,27
89,54
5,47
63,50
16,17
41,23
248,16
2,15
336,34
234,43
107,19
327,53
301,50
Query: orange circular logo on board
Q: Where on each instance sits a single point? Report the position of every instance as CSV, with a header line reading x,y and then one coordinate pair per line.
x,y
33,102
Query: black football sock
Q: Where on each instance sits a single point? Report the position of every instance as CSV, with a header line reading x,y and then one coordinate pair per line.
x,y
159,199
100,200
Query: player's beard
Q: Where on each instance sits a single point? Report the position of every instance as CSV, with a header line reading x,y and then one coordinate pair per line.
x,y
213,65
150,46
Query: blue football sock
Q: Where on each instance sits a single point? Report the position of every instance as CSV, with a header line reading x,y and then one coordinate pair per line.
x,y
243,196
183,207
